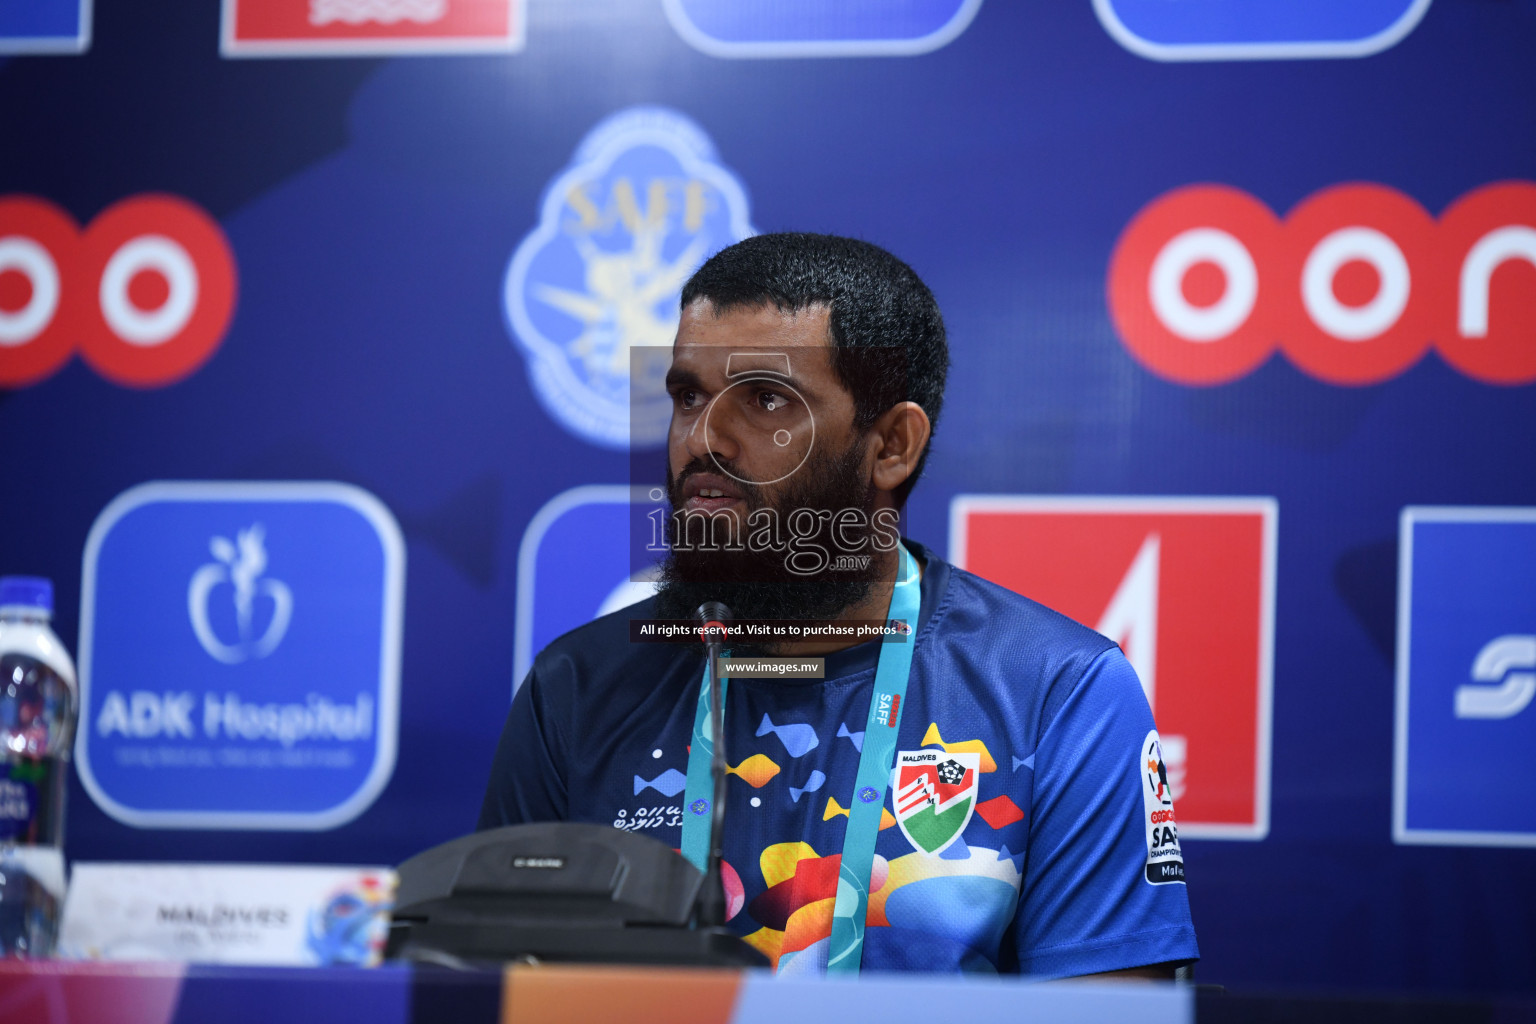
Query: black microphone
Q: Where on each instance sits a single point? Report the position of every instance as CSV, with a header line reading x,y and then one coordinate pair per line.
x,y
714,625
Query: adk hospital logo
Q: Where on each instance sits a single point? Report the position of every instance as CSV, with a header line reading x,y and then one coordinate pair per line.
x,y
239,654
591,294
239,565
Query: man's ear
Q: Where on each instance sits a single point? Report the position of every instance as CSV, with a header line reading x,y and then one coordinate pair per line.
x,y
898,438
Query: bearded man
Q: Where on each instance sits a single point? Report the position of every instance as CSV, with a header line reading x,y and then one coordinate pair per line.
x,y
983,780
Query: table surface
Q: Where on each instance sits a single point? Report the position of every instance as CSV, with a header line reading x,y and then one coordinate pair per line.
x,y
53,992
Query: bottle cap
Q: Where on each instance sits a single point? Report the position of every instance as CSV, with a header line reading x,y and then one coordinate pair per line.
x,y
27,592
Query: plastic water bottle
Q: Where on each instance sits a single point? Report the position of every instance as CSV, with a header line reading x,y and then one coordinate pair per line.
x,y
39,702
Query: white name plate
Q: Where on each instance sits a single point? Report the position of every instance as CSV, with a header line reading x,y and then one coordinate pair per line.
x,y
289,915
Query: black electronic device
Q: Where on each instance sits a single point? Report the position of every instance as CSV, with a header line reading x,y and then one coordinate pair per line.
x,y
557,891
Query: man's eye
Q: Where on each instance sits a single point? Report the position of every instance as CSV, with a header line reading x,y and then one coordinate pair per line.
x,y
771,400
687,398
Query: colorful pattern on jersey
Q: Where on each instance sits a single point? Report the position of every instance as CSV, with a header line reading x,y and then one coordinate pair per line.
x,y
943,876
952,868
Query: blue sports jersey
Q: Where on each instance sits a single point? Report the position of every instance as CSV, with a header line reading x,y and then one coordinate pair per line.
x,y
1045,844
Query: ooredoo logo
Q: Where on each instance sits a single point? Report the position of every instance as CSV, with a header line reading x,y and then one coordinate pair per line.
x,y
1354,286
145,293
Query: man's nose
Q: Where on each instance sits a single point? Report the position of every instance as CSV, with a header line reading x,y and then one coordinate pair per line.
x,y
713,432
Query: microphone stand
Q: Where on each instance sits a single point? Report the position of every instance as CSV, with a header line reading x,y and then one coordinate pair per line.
x,y
714,616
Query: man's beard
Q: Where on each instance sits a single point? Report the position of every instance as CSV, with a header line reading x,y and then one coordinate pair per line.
x,y
760,584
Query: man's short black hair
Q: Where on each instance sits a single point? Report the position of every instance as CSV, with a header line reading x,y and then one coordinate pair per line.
x,y
887,334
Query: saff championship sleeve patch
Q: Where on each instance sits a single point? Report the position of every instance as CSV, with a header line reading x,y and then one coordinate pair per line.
x,y
1165,861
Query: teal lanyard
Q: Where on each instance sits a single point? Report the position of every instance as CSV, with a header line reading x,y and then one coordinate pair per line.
x,y
701,788
868,802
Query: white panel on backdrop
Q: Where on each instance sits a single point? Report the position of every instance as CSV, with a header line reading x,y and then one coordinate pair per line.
x,y
45,26
575,564
1258,29
1466,677
811,28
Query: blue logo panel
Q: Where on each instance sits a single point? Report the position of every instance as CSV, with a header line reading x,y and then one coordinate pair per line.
x,y
814,28
240,655
45,26
1466,717
642,205
577,561
1258,29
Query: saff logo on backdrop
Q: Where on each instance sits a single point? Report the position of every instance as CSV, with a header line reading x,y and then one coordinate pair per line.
x,y
146,292
1186,587
1466,677
644,202
240,655
1354,286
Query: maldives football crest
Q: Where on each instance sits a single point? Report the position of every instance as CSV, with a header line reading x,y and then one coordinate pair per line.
x,y
935,796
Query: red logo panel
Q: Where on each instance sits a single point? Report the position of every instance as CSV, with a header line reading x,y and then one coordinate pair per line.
x,y
1185,291
165,290
1186,587
1488,249
1354,286
39,247
277,28
1359,316
146,293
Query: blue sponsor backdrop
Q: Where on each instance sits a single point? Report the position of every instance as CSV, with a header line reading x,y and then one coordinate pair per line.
x,y
374,206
